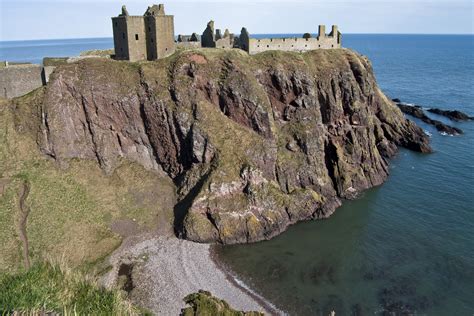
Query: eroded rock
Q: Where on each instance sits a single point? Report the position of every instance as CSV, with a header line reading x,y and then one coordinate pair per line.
x,y
253,143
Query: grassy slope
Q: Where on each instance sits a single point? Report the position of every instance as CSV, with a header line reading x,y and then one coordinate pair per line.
x,y
72,208
50,287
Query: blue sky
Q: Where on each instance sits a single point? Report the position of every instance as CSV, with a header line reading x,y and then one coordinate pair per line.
x,y
29,19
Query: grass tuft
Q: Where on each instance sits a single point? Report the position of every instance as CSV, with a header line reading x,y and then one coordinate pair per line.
x,y
52,287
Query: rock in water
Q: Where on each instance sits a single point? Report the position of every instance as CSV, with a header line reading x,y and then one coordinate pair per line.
x,y
219,123
452,115
417,111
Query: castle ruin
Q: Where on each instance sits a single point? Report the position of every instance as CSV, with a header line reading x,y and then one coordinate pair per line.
x,y
146,37
151,37
291,44
214,38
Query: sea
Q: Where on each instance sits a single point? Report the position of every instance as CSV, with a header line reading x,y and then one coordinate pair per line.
x,y
405,247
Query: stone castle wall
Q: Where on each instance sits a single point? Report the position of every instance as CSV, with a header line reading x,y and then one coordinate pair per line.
x,y
322,41
212,38
226,42
291,44
189,45
19,80
131,38
163,42
120,38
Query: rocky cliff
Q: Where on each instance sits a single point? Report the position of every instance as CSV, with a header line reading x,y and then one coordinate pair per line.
x,y
252,143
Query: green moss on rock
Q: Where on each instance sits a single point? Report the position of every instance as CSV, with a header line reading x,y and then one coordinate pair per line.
x,y
204,304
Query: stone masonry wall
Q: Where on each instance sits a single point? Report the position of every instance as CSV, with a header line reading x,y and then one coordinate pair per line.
x,y
165,44
18,80
226,42
120,38
146,37
136,38
292,44
188,45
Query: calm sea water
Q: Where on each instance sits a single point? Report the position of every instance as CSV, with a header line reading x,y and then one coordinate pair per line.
x,y
408,243
35,51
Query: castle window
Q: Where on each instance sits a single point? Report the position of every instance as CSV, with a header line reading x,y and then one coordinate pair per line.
x,y
136,37
292,45
332,45
268,45
116,24
307,39
123,35
152,40
149,28
306,46
258,45
166,49
319,45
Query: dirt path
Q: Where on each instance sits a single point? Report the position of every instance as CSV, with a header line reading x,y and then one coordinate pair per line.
x,y
24,212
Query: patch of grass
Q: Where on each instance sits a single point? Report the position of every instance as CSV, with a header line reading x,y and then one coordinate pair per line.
x,y
204,304
98,52
52,287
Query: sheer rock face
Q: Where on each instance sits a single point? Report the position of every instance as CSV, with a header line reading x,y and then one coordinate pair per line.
x,y
253,143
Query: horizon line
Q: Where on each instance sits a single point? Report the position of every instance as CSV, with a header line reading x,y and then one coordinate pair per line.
x,y
111,37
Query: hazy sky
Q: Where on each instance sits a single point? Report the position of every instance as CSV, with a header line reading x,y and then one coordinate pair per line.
x,y
29,19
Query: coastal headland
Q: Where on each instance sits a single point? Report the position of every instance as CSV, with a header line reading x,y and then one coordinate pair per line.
x,y
209,145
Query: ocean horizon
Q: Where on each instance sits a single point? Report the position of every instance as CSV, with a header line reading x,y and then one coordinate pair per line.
x,y
33,51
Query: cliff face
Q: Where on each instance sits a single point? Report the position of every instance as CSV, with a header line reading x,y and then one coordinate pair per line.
x,y
252,143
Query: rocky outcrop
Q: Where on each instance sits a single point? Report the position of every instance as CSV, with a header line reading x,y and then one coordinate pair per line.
x,y
417,111
453,115
253,143
203,303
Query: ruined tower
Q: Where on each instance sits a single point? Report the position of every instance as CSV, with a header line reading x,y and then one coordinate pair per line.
x,y
150,36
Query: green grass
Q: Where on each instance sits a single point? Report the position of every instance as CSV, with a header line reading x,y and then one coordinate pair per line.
x,y
204,304
52,287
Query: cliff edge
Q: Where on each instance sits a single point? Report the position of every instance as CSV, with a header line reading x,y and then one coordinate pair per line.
x,y
253,144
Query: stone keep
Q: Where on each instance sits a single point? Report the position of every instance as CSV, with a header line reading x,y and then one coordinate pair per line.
x,y
146,37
